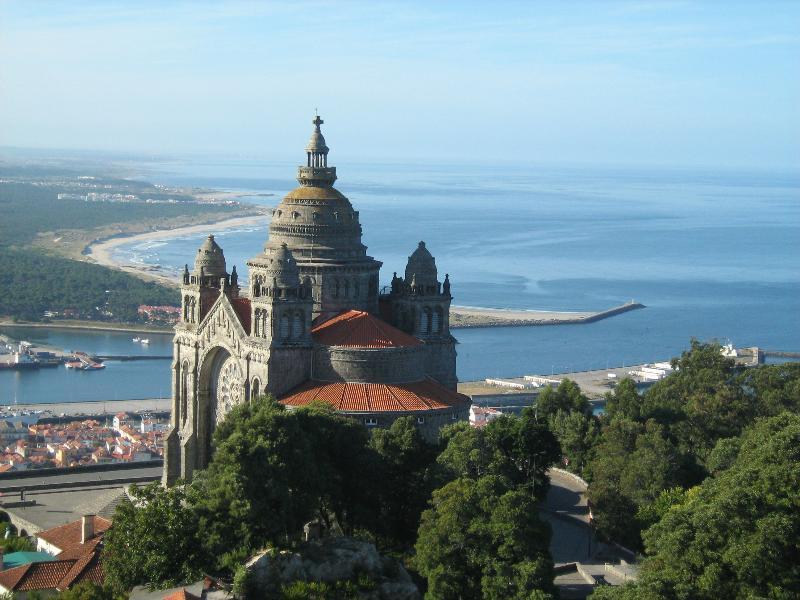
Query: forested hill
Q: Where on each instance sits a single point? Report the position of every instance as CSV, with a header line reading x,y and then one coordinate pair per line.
x,y
32,283
37,273
29,209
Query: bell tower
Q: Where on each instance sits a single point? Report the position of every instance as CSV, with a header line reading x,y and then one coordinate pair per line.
x,y
201,287
420,305
281,315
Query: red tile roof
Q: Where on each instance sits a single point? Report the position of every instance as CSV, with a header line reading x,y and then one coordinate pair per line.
x,y
241,307
35,576
86,568
356,328
66,536
181,594
58,574
377,397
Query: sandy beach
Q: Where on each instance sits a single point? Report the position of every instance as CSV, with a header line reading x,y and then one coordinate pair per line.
x,y
102,251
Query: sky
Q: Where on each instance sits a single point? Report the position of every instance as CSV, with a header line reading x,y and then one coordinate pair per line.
x,y
654,82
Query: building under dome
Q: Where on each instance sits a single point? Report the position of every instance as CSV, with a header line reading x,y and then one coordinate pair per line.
x,y
311,326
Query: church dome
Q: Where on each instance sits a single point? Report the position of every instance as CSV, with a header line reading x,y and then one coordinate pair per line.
x,y
210,258
421,267
283,268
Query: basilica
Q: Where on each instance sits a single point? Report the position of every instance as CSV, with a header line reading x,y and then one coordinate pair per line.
x,y
311,325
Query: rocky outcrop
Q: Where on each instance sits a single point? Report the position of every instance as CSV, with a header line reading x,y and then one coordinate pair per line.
x,y
332,560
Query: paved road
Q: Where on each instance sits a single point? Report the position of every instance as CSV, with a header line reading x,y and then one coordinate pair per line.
x,y
566,510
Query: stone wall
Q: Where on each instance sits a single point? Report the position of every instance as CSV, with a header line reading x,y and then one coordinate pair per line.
x,y
288,368
440,362
369,365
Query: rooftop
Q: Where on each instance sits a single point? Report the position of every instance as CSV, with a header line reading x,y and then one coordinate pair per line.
x,y
66,536
359,329
377,397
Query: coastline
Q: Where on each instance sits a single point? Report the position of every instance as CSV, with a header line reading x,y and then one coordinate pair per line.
x,y
90,326
101,251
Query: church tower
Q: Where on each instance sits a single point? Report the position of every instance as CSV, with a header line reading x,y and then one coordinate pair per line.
x,y
201,287
420,305
318,224
281,308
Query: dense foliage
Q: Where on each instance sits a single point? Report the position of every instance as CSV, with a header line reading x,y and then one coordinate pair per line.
x,y
737,535
678,432
482,536
32,283
483,539
29,209
274,470
154,539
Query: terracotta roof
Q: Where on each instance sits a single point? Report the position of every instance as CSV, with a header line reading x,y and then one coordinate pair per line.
x,y
241,306
377,397
66,536
86,568
181,594
80,550
356,328
58,574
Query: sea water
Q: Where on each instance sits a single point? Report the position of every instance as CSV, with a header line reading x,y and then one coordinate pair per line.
x,y
712,254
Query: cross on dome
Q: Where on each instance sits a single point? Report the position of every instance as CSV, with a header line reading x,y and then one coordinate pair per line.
x,y
317,121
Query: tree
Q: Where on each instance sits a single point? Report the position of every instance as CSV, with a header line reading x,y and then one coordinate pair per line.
x,y
481,539
625,401
155,540
406,479
577,434
273,470
90,591
738,535
521,449
567,397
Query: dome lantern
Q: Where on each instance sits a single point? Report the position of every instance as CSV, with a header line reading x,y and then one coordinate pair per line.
x,y
316,172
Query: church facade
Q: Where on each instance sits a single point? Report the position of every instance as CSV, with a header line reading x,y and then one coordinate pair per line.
x,y
312,325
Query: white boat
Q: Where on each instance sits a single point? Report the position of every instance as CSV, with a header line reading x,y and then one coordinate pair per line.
x,y
145,341
137,339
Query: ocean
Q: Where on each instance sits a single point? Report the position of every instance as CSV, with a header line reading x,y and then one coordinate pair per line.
x,y
712,254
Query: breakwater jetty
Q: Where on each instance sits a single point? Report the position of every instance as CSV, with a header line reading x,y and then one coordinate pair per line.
x,y
466,316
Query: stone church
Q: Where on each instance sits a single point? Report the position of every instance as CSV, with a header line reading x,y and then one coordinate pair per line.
x,y
312,325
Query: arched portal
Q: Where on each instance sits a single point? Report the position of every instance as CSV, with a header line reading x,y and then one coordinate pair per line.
x,y
222,387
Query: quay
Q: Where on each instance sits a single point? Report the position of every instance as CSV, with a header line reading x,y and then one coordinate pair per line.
x,y
466,316
17,354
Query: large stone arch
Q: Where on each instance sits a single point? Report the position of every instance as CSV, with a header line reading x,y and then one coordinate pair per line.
x,y
222,383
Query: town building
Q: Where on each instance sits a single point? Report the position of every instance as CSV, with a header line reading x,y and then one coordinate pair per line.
x,y
75,558
312,324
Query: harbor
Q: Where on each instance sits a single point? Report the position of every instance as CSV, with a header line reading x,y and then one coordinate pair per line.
x,y
23,355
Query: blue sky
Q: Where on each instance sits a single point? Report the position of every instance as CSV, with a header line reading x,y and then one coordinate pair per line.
x,y
714,83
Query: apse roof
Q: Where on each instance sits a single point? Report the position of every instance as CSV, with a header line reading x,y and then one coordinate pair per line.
x,y
377,397
360,329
